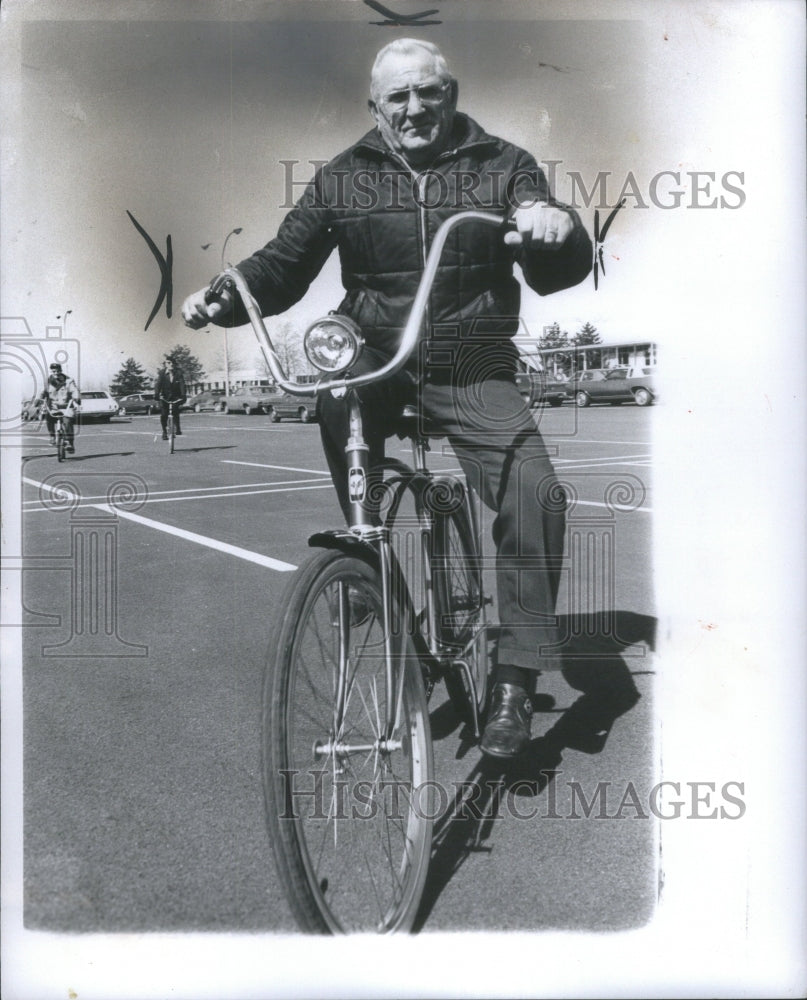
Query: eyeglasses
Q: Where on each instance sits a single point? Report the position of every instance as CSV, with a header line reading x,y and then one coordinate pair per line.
x,y
428,93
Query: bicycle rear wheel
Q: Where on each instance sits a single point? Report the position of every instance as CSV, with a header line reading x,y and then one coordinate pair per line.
x,y
459,605
349,810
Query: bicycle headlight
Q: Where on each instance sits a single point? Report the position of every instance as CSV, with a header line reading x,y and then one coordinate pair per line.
x,y
332,344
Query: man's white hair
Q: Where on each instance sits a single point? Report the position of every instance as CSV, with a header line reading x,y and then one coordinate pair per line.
x,y
403,47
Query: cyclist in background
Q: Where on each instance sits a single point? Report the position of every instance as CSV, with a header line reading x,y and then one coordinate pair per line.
x,y
170,388
60,393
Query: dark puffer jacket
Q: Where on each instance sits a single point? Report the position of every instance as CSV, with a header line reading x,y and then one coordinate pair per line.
x,y
382,217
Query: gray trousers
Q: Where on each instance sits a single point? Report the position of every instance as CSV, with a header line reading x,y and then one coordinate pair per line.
x,y
504,458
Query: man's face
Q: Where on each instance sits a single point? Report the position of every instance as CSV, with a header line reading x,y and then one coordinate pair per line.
x,y
413,106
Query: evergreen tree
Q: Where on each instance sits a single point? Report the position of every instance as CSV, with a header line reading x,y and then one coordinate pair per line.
x,y
587,334
188,364
584,337
131,378
552,337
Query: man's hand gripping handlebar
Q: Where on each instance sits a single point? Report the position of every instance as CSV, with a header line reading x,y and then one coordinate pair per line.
x,y
207,306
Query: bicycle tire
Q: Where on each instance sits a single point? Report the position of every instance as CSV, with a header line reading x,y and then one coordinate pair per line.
x,y
350,831
460,607
61,445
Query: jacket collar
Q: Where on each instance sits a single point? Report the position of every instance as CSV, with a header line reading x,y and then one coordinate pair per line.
x,y
465,134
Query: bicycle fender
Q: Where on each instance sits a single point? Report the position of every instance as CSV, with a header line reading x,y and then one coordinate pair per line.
x,y
345,541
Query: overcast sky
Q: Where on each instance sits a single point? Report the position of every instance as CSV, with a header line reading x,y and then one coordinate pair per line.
x,y
184,121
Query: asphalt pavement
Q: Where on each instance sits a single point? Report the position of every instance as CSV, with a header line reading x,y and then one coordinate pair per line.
x,y
151,585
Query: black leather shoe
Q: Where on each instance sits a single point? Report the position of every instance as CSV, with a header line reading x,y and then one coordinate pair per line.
x,y
507,732
165,437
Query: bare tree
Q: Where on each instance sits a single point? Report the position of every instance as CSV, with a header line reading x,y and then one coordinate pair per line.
x,y
288,344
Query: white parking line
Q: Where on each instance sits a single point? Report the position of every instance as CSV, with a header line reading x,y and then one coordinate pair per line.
x,y
612,506
602,460
189,536
199,490
208,496
283,468
576,440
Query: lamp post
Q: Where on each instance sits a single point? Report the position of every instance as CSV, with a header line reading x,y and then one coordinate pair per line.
x,y
63,316
232,232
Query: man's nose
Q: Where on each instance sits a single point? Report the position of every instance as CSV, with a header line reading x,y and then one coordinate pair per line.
x,y
414,105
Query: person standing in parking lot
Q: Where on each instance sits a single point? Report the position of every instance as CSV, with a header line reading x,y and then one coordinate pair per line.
x,y
171,393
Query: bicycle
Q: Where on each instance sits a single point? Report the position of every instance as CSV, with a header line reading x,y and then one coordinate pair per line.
x,y
171,422
357,652
59,432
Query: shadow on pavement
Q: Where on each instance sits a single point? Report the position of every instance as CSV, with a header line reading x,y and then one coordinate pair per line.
x,y
591,664
180,448
78,457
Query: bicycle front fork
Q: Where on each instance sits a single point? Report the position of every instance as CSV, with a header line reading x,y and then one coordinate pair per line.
x,y
361,524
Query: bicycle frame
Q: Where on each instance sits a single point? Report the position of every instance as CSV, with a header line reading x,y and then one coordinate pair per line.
x,y
59,433
172,414
374,538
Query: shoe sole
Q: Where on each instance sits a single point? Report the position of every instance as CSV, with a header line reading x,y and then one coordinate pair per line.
x,y
500,754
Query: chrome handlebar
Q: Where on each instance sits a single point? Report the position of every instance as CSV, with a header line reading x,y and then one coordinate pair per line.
x,y
411,330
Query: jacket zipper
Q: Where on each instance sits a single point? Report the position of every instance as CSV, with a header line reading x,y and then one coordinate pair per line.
x,y
420,180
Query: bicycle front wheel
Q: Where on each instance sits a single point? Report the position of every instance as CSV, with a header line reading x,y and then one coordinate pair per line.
x,y
61,445
348,803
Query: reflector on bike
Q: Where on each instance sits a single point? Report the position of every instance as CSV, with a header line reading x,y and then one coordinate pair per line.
x,y
333,344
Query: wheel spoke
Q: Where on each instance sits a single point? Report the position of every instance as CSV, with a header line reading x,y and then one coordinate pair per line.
x,y
358,818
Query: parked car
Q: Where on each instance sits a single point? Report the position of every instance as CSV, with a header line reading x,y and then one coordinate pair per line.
x,y
538,388
30,409
282,404
97,405
211,399
137,402
614,386
248,399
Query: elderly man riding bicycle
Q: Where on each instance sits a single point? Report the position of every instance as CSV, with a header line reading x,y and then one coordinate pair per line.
x,y
380,202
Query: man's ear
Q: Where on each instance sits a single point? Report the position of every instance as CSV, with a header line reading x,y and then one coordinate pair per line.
x,y
372,108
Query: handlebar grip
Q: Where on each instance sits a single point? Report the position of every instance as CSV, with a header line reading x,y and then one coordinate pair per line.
x,y
221,283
